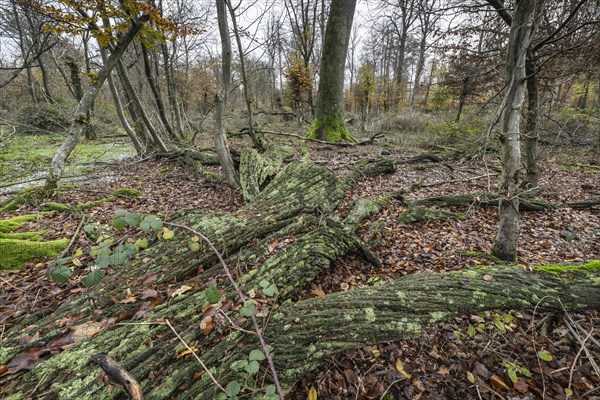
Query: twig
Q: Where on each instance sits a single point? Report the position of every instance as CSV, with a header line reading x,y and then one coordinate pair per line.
x,y
243,298
577,357
389,387
66,250
195,355
568,323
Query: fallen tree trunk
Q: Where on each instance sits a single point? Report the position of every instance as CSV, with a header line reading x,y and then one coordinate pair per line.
x,y
482,200
526,203
281,237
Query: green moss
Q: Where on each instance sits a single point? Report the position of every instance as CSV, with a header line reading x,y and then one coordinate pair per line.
x,y
211,176
558,269
59,207
16,252
33,236
9,225
93,203
471,253
330,128
126,192
417,214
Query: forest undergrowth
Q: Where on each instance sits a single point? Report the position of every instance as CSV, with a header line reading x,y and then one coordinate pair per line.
x,y
505,354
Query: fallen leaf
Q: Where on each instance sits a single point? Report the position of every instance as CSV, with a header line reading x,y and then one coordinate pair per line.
x,y
312,393
149,294
521,386
498,383
207,325
444,371
181,290
185,352
400,368
419,385
85,331
318,293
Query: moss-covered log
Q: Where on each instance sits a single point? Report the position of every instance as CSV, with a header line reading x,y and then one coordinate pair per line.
x,y
482,200
304,333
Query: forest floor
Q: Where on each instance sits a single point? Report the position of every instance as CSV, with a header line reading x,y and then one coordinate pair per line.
x,y
495,355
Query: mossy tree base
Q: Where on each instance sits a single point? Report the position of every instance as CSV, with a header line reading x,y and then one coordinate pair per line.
x,y
284,237
329,129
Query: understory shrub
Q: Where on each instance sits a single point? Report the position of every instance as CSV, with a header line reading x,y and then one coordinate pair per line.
x,y
42,118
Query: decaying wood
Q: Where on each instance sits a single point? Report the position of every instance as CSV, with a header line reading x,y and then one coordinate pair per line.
x,y
119,375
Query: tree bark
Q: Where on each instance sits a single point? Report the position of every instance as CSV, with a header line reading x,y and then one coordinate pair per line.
x,y
80,120
328,123
531,135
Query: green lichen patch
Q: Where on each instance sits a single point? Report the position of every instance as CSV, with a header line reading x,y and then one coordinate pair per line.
x,y
127,192
15,252
330,128
418,214
559,269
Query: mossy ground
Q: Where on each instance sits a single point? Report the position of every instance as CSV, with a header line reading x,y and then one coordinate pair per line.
x,y
26,157
330,129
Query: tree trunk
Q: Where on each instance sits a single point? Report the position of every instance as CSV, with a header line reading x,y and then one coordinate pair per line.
x,y
79,120
419,70
22,47
139,148
160,105
139,108
275,238
522,29
219,136
171,89
328,123
463,98
531,135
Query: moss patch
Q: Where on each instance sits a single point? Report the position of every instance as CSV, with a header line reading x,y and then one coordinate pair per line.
x,y
126,192
559,269
9,225
417,214
60,207
330,128
16,252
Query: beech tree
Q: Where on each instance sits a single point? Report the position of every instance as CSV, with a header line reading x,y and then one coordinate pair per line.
x,y
328,123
